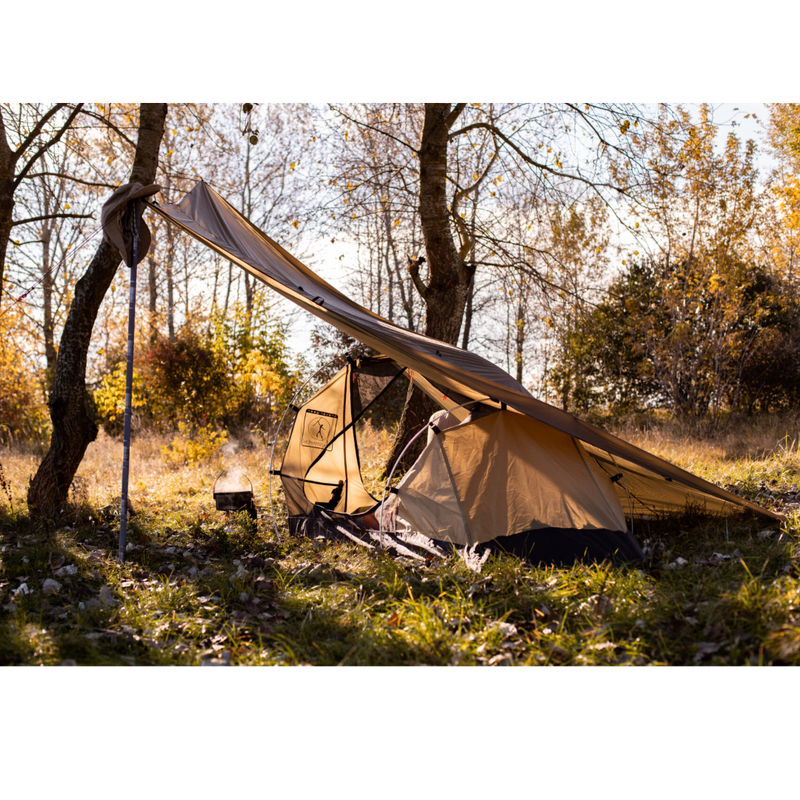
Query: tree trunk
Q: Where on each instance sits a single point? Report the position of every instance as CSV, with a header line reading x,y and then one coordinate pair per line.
x,y
73,428
519,331
445,294
8,163
48,283
153,305
170,285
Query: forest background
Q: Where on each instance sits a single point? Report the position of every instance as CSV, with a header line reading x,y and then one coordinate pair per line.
x,y
618,260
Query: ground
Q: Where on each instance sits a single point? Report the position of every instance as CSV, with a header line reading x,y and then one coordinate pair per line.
x,y
200,588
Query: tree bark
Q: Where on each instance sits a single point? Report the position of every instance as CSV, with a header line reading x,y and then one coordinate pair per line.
x,y
449,277
8,163
153,305
73,428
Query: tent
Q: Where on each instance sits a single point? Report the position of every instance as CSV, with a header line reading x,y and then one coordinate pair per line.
x,y
484,470
528,465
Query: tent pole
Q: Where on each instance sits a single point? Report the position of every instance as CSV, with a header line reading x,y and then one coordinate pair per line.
x,y
410,442
126,446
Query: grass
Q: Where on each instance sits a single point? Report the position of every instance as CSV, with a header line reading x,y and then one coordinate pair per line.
x,y
199,588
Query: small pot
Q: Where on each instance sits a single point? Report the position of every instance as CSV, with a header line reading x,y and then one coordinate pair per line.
x,y
231,502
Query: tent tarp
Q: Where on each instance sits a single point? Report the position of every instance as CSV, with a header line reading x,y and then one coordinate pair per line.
x,y
211,220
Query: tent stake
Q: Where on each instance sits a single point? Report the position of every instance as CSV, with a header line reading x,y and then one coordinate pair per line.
x,y
126,446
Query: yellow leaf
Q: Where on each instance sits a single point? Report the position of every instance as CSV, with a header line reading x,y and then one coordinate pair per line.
x,y
296,224
66,206
291,166
396,223
637,225
174,131
110,160
475,176
170,152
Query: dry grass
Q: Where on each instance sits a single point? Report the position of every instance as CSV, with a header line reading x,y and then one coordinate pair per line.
x,y
199,588
373,444
745,450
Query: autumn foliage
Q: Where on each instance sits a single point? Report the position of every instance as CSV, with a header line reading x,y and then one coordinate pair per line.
x,y
217,372
614,258
23,412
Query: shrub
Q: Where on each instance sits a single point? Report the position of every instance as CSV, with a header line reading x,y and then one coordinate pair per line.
x,y
231,372
191,446
23,412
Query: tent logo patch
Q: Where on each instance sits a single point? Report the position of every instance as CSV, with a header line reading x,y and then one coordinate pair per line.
x,y
319,428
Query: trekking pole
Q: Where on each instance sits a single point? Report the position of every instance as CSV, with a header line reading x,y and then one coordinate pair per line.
x,y
126,441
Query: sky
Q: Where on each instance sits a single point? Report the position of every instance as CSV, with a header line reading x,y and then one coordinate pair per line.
x,y
750,128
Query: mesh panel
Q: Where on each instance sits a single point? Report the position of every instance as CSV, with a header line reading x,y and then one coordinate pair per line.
x,y
370,376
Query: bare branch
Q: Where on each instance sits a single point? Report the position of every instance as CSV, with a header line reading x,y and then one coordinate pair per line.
x,y
37,128
46,146
372,128
413,267
539,165
71,178
463,233
454,115
51,216
109,124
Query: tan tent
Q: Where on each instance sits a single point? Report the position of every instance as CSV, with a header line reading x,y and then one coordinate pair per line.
x,y
644,484
506,472
321,465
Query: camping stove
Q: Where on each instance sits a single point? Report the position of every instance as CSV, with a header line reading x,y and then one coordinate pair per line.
x,y
234,501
